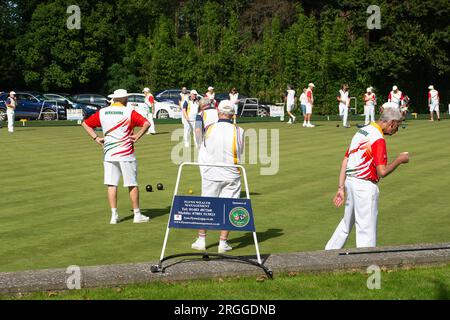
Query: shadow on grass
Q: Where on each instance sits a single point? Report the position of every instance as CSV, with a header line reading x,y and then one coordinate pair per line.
x,y
443,291
151,213
247,239
244,194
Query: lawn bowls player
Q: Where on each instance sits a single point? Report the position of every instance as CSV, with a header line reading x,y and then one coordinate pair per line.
x,y
149,110
370,100
11,104
207,116
303,103
309,105
223,144
290,100
343,98
118,123
365,163
234,98
190,112
396,96
433,103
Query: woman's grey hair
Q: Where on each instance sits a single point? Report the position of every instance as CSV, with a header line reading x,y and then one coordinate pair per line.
x,y
391,114
204,102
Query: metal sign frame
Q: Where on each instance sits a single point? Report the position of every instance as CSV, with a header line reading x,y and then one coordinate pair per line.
x,y
158,268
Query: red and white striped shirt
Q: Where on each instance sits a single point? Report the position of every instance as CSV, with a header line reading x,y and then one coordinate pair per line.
x,y
117,123
366,152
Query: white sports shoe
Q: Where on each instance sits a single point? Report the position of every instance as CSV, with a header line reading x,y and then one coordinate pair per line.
x,y
224,248
199,245
290,121
305,125
311,126
115,219
141,219
293,120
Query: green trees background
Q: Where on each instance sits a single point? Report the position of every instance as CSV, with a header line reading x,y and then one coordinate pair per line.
x,y
258,46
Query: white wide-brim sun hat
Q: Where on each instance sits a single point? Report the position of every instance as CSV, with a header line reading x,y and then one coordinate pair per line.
x,y
311,85
146,90
121,93
431,88
194,92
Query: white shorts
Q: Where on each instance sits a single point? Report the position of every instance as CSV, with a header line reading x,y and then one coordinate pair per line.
x,y
434,107
290,107
221,189
309,108
115,170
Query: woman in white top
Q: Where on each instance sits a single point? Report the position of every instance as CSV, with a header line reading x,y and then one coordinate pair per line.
x,y
234,98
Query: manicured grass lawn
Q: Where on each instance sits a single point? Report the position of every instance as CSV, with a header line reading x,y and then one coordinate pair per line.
x,y
421,283
54,213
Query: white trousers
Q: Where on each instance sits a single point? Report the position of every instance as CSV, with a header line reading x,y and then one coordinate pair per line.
x,y
343,112
361,209
152,129
369,112
11,117
188,131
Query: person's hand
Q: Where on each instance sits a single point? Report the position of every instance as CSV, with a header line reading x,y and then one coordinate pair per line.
x,y
403,157
100,141
339,198
134,138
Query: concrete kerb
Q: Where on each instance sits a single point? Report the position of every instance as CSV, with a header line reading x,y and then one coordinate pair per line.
x,y
179,270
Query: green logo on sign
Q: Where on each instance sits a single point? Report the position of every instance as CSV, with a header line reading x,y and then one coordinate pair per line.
x,y
239,217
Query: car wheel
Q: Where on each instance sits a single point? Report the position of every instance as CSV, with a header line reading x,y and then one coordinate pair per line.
x,y
262,112
3,116
163,114
49,115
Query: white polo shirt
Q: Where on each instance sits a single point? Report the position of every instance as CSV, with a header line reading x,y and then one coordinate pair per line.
x,y
192,109
223,144
290,97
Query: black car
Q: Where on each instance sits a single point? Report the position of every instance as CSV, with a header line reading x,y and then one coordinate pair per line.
x,y
172,95
248,107
33,106
91,99
64,99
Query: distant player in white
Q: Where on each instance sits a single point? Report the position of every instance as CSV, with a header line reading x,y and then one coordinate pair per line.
x,y
118,123
223,144
343,98
396,96
234,98
11,105
190,112
433,102
370,101
207,116
290,100
309,106
365,163
210,94
303,103
149,110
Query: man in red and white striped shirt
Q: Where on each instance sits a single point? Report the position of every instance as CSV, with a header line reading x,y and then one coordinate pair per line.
x,y
365,163
396,96
433,102
118,123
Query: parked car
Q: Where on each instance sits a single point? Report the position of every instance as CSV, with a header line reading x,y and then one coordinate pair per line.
x,y
33,106
250,107
163,109
171,95
64,99
91,99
